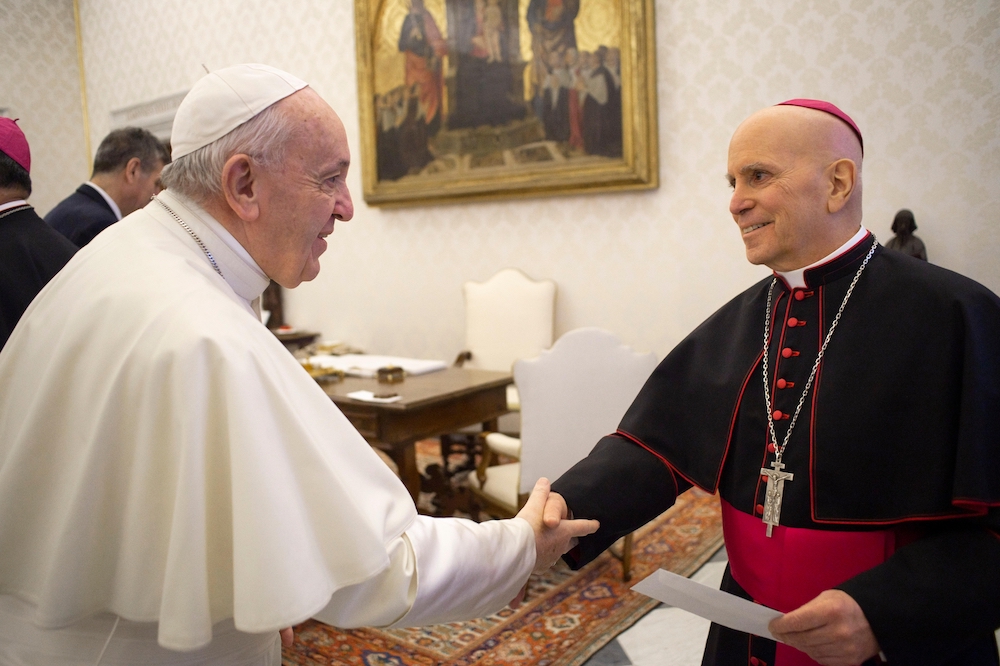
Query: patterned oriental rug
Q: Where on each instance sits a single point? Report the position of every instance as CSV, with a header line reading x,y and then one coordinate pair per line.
x,y
566,618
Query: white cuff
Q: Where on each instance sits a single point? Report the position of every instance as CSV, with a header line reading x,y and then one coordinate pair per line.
x,y
465,569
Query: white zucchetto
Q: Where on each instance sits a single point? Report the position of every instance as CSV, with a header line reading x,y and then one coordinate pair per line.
x,y
225,99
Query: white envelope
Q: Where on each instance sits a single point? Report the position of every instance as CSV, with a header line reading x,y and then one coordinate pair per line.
x,y
712,604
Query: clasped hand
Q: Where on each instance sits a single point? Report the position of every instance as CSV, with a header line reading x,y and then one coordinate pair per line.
x,y
555,532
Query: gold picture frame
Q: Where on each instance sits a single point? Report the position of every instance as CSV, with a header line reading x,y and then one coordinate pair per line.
x,y
455,104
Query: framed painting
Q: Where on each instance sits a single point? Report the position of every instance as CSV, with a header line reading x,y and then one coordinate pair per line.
x,y
486,99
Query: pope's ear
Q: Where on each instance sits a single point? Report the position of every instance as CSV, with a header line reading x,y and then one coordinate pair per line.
x,y
843,175
241,187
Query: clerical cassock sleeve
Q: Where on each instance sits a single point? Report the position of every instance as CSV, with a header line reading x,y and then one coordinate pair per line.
x,y
935,597
620,484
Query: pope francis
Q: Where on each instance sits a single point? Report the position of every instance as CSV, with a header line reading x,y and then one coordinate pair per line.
x,y
173,487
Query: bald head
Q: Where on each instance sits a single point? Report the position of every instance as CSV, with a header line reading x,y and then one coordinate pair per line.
x,y
796,178
811,129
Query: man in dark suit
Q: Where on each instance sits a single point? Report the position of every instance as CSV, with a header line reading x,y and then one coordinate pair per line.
x,y
30,251
126,175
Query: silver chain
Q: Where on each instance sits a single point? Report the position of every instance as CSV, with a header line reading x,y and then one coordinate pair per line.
x,y
197,240
15,209
779,450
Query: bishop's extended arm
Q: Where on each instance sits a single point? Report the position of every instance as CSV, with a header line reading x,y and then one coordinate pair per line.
x,y
620,484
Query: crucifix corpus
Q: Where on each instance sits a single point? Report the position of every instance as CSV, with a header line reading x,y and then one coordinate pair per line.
x,y
772,494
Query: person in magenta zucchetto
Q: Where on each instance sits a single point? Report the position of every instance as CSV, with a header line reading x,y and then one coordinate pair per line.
x,y
843,409
31,252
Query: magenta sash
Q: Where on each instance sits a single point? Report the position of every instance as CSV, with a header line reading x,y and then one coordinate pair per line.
x,y
795,564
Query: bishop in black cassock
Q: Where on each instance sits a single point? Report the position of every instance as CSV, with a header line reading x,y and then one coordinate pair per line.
x,y
31,252
887,524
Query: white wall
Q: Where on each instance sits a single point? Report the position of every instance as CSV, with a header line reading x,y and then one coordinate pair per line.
x,y
40,85
921,78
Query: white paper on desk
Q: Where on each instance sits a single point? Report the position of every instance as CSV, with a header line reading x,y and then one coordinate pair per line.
x,y
712,604
368,396
367,365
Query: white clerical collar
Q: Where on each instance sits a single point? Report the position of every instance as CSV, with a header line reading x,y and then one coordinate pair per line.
x,y
111,202
237,266
13,204
797,279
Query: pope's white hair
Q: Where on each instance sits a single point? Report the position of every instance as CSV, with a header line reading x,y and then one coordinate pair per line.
x,y
265,138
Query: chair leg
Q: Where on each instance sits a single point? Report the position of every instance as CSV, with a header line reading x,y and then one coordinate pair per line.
x,y
459,443
627,558
445,452
475,507
473,448
625,555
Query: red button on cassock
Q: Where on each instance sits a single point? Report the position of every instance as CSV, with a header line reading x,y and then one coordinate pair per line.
x,y
770,448
792,321
788,352
777,414
799,295
760,509
754,661
781,383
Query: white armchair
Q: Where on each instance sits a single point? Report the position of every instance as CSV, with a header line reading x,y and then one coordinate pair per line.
x,y
571,396
510,316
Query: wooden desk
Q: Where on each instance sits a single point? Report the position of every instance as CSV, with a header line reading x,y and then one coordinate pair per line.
x,y
432,404
296,339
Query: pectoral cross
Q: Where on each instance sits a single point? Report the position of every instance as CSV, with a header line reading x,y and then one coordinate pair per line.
x,y
772,494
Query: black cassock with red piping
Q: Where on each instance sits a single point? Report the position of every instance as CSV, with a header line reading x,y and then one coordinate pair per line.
x,y
895,455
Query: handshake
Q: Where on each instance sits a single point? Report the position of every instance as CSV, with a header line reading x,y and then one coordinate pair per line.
x,y
555,532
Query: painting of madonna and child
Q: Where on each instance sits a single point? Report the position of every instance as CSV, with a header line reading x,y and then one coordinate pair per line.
x,y
479,87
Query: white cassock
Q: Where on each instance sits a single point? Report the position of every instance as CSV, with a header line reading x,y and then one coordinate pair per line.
x,y
167,465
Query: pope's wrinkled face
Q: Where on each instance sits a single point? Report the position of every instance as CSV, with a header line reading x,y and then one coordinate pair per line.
x,y
303,197
779,198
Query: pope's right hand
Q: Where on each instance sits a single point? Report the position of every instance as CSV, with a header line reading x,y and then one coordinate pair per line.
x,y
555,534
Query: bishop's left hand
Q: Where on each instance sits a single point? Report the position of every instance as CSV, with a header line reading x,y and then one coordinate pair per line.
x,y
832,629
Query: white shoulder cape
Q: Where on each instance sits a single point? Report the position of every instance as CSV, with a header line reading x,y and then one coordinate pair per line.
x,y
180,485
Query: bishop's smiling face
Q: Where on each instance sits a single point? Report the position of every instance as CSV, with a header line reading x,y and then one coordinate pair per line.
x,y
306,194
779,194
